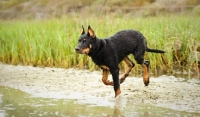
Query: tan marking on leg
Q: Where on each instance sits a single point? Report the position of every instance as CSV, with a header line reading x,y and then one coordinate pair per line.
x,y
128,70
117,92
104,67
105,78
145,75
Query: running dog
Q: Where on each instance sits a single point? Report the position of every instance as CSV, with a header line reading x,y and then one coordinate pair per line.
x,y
109,52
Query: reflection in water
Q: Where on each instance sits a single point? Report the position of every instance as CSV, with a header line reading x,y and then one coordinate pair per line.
x,y
119,105
14,103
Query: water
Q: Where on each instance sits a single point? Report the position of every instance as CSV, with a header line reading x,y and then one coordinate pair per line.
x,y
15,103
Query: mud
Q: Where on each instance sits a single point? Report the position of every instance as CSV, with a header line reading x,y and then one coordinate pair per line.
x,y
165,91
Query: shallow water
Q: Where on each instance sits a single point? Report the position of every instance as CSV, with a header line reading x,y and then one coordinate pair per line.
x,y
15,103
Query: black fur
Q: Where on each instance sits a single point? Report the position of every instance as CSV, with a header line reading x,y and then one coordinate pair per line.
x,y
112,50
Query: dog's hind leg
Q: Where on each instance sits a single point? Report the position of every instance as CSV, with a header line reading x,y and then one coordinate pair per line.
x,y
139,57
105,77
130,65
145,66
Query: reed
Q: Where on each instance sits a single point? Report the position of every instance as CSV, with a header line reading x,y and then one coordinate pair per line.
x,y
51,42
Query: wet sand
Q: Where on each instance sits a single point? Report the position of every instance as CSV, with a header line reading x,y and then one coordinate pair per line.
x,y
164,91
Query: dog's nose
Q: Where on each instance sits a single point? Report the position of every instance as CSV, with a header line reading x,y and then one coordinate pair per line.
x,y
77,49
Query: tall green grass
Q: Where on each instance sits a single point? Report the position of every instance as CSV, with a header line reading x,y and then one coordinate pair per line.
x,y
51,42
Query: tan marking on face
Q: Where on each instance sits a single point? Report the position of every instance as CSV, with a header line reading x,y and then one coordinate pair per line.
x,y
85,50
84,40
90,45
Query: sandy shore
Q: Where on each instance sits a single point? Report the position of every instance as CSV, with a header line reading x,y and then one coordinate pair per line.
x,y
164,91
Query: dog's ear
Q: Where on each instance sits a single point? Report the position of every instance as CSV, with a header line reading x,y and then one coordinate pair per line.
x,y
83,30
91,32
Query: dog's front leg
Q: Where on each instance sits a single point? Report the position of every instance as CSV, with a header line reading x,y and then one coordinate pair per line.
x,y
115,76
105,77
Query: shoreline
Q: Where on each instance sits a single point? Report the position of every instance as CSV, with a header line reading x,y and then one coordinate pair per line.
x,y
164,91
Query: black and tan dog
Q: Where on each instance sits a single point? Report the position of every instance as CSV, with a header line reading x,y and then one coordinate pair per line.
x,y
109,52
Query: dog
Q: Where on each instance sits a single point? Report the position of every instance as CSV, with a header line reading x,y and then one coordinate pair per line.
x,y
109,52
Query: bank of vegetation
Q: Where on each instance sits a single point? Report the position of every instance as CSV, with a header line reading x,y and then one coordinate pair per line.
x,y
51,42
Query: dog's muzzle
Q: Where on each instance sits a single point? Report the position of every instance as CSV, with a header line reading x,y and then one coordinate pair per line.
x,y
77,49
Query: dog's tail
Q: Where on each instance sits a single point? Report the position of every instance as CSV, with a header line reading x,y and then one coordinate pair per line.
x,y
154,50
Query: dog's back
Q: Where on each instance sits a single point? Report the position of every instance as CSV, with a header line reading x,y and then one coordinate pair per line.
x,y
126,42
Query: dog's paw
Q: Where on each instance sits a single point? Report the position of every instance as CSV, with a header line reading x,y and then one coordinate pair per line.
x,y
146,82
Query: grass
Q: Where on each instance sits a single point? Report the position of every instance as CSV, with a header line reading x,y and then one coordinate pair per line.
x,y
51,42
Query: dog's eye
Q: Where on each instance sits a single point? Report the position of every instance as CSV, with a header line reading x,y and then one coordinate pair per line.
x,y
84,40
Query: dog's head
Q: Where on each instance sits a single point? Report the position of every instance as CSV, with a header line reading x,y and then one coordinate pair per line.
x,y
85,42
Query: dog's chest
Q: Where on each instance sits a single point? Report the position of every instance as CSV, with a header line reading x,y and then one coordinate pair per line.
x,y
98,60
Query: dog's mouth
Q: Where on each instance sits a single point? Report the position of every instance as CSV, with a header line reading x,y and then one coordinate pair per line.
x,y
82,51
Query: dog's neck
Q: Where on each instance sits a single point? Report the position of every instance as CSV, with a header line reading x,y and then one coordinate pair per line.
x,y
99,43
